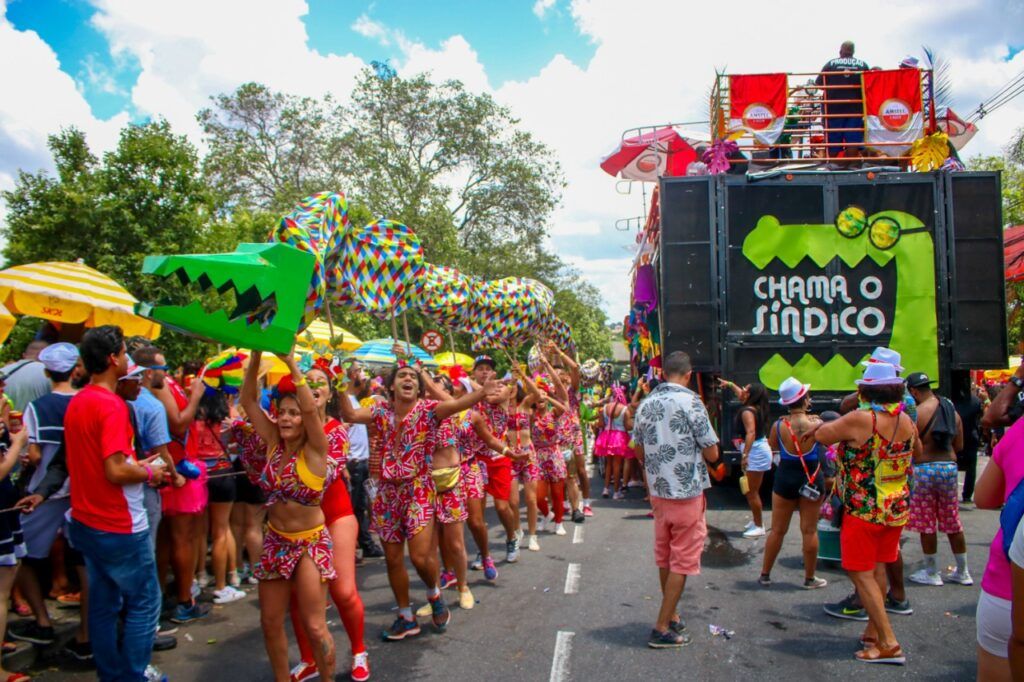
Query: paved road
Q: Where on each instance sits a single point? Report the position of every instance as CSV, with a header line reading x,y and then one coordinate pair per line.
x,y
599,629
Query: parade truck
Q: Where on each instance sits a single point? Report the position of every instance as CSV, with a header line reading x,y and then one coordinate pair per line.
x,y
797,258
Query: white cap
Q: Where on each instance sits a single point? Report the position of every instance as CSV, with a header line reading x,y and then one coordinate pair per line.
x,y
59,357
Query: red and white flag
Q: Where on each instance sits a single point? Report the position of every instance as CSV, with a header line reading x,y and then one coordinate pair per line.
x,y
757,104
893,109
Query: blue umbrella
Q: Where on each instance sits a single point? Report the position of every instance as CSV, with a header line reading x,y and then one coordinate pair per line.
x,y
378,352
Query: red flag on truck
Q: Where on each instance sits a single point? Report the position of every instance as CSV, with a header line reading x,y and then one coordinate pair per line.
x,y
757,104
892,109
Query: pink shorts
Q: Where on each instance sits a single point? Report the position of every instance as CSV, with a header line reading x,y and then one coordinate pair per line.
x,y
526,470
552,464
190,498
934,500
450,506
679,532
403,508
864,545
472,480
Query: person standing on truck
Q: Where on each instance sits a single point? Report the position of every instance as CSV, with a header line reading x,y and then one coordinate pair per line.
x,y
935,501
844,103
750,431
676,438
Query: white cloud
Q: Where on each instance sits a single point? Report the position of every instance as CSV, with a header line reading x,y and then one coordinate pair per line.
x,y
541,7
635,77
374,30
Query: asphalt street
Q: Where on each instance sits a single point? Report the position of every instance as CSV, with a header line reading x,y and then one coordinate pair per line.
x,y
582,608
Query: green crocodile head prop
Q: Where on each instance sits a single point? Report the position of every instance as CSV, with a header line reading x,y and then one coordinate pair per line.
x,y
888,237
268,282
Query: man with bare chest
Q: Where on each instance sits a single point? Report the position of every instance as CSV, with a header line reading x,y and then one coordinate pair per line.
x,y
934,502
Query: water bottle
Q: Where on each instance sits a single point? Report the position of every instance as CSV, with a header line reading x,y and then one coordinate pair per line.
x,y
153,674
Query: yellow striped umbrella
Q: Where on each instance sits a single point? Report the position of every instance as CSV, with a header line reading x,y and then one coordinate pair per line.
x,y
7,322
321,333
72,293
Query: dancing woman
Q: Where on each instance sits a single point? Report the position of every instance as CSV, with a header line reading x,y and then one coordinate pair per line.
x,y
750,430
293,470
341,524
524,459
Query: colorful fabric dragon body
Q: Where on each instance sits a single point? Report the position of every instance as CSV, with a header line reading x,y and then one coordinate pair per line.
x,y
316,258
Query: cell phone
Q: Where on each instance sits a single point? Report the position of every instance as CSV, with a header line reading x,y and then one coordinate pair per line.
x,y
810,492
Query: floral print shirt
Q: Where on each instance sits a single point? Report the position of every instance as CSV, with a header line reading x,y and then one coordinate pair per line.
x,y
406,448
873,478
673,427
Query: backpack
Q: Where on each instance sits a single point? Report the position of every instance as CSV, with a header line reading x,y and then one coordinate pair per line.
x,y
1009,518
942,424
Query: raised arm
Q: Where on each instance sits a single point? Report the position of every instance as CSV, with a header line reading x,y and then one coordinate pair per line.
x,y
450,407
433,389
249,399
572,365
178,421
560,391
998,412
354,415
316,439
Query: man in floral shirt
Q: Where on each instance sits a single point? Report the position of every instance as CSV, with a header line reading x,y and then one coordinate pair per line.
x,y
675,438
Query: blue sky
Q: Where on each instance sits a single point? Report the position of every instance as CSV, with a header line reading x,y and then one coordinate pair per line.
x,y
577,73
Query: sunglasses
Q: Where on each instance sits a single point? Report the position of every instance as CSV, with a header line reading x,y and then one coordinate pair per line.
x,y
157,367
316,384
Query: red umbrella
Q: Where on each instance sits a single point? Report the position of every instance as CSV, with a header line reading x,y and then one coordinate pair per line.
x,y
649,156
1013,253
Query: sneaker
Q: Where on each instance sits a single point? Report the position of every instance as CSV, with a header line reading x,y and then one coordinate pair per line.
x,y
532,544
565,506
31,632
204,579
234,580
196,590
187,613
166,628
588,510
304,671
750,524
477,564
447,579
901,608
512,550
441,615
153,674
955,576
401,629
559,529
361,667
164,643
670,639
424,611
373,552
815,583
80,651
606,493
847,609
764,580
678,625
252,580
754,532
619,495
925,577
490,572
635,484
227,594
520,534
577,516
466,599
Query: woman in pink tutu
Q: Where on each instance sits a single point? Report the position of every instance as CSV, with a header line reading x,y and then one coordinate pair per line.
x,y
613,442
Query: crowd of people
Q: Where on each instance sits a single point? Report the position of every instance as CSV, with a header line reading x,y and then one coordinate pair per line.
x,y
155,488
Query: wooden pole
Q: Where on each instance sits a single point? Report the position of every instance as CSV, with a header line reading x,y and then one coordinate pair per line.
x,y
405,326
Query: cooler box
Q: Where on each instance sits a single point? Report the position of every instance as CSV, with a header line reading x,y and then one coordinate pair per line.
x,y
828,541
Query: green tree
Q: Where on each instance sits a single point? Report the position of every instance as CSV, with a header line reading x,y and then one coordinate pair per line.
x,y
144,197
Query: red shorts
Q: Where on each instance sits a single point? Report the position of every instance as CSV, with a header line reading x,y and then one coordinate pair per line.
x,y
499,478
679,532
864,545
336,503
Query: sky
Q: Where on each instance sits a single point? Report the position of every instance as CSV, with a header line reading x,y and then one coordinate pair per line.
x,y
576,72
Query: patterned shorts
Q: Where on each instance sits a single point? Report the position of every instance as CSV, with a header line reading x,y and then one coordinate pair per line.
x,y
450,506
552,464
403,508
472,480
526,470
934,501
281,555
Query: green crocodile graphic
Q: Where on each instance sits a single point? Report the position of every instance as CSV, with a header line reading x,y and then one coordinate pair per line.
x,y
883,237
269,282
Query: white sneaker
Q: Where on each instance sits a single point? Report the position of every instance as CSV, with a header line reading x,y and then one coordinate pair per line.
x,y
519,534
955,576
754,532
204,579
532,544
227,595
750,524
925,577
233,579
559,529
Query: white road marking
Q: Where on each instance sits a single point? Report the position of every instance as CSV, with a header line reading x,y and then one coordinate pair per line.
x,y
572,579
577,535
560,662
